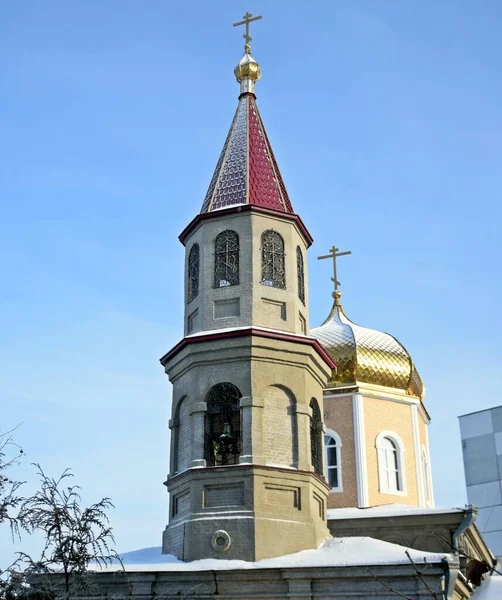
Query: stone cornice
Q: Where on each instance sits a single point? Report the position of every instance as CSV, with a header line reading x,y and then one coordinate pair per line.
x,y
203,472
248,331
246,208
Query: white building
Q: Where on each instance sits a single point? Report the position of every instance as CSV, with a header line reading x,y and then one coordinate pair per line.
x,y
481,434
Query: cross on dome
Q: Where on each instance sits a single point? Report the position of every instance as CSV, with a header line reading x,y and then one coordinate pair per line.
x,y
334,254
248,18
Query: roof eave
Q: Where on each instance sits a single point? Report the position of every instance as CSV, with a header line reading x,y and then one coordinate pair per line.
x,y
243,208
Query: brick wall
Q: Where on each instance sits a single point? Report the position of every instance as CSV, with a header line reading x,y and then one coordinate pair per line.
x,y
184,437
280,436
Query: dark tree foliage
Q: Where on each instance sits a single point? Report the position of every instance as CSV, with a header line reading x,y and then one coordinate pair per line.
x,y
10,501
76,541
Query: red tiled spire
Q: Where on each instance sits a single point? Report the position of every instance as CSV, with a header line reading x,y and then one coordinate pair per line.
x,y
247,172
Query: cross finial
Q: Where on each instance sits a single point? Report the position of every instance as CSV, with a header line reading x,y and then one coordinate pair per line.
x,y
334,254
248,18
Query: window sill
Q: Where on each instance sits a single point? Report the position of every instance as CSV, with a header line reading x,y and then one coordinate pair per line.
x,y
336,490
394,492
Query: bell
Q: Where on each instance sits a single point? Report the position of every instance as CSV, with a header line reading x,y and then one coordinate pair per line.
x,y
226,435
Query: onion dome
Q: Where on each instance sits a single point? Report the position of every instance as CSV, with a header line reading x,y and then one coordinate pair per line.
x,y
365,355
247,69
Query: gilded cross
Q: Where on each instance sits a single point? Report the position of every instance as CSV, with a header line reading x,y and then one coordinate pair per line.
x,y
248,18
334,254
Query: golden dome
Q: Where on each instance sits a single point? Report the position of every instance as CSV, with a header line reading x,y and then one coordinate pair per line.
x,y
247,68
366,355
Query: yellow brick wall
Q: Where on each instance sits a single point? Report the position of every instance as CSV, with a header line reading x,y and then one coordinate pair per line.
x,y
339,418
381,415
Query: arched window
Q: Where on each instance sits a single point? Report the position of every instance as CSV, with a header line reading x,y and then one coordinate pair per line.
x,y
181,430
226,259
427,477
300,269
273,271
316,437
390,451
193,273
332,445
223,425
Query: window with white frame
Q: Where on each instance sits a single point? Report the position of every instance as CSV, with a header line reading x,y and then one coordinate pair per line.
x,y
332,446
427,477
390,451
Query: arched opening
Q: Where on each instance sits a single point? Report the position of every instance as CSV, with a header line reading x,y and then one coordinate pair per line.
x,y
182,437
332,446
226,259
316,437
280,427
300,270
223,425
193,273
273,270
390,463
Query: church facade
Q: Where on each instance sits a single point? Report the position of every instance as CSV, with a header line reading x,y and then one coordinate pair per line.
x,y
273,422
285,437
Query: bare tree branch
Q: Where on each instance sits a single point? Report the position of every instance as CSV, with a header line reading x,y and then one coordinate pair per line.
x,y
490,567
421,576
388,587
10,453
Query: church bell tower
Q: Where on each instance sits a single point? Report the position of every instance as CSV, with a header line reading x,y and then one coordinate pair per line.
x,y
246,471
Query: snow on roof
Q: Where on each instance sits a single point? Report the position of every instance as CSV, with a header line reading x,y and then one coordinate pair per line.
x,y
491,589
243,328
387,510
335,552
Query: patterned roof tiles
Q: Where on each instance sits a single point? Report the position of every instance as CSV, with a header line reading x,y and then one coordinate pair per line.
x,y
367,355
247,172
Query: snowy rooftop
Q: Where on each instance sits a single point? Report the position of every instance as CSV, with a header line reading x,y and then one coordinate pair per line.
x,y
387,510
335,552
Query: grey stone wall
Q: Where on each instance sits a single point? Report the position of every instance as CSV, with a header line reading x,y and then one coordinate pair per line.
x,y
342,583
184,443
280,428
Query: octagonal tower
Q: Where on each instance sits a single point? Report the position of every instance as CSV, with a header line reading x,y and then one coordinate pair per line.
x,y
246,477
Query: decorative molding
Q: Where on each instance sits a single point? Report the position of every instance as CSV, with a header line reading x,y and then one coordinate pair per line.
x,y
426,469
424,414
246,208
333,434
431,482
360,450
247,331
418,457
392,435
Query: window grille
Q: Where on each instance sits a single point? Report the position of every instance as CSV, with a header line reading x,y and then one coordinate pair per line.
x,y
223,425
193,272
226,259
273,271
300,269
316,437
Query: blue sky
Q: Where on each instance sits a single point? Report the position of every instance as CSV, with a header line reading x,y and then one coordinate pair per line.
x,y
385,120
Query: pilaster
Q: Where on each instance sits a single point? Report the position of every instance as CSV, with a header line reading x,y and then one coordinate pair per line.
x,y
197,417
418,456
303,417
360,450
